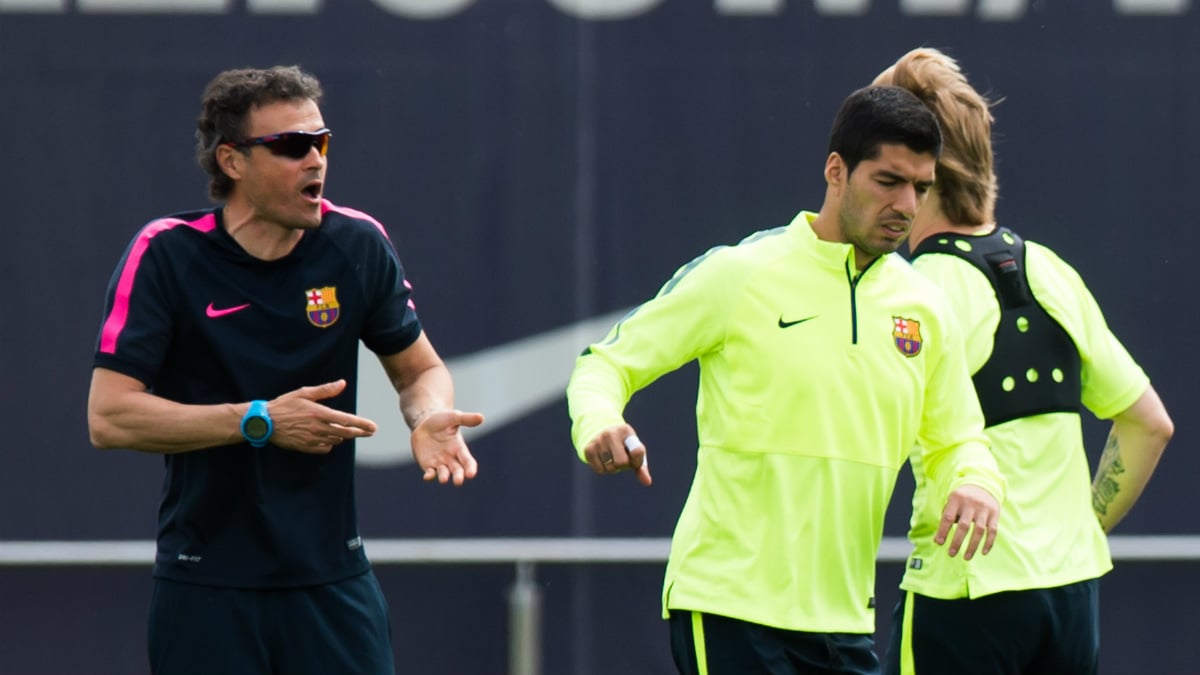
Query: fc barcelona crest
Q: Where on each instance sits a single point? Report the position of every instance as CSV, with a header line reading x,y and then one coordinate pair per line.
x,y
323,308
907,333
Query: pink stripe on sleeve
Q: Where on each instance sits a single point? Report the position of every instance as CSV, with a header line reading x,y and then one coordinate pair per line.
x,y
115,322
327,206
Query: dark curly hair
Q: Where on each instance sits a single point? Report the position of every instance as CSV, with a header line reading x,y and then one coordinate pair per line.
x,y
878,115
226,103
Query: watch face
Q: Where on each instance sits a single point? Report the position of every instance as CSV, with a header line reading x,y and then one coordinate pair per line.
x,y
256,427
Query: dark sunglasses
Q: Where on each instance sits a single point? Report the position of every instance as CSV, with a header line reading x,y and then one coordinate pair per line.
x,y
293,144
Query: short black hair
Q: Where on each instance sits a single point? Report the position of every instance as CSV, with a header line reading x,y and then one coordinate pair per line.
x,y
226,104
879,115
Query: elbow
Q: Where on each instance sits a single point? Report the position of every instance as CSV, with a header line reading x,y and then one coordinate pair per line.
x,y
99,438
101,432
1165,429
1161,425
1149,421
1157,432
114,403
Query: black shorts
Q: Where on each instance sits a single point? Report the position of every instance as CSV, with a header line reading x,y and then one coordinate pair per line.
x,y
342,627
1045,631
708,644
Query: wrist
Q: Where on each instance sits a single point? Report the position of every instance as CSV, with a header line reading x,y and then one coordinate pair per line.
x,y
256,426
419,417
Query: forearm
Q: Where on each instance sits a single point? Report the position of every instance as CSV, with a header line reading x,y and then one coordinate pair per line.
x,y
596,398
985,475
970,463
955,450
430,391
1125,466
149,423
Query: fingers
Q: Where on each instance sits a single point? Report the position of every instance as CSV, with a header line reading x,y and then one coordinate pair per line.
x,y
971,512
348,422
318,446
445,473
313,444
638,459
643,475
459,471
961,529
618,449
438,447
606,450
449,420
303,423
958,517
313,433
321,436
467,468
322,391
990,540
470,419
311,427
977,531
361,428
608,462
984,527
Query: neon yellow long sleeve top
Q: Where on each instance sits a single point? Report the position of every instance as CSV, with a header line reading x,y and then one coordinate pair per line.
x,y
815,384
1049,532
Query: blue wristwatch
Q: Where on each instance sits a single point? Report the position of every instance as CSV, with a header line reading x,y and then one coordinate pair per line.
x,y
256,424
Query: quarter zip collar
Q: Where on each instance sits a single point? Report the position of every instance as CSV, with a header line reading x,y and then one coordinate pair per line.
x,y
832,255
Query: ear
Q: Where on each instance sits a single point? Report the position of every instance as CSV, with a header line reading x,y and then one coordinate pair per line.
x,y
835,170
230,160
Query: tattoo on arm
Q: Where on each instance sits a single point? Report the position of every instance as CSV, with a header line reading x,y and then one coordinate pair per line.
x,y
419,416
1105,486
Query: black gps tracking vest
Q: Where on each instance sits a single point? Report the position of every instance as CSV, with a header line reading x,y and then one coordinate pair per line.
x,y
1034,365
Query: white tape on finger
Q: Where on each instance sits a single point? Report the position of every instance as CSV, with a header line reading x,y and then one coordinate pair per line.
x,y
632,443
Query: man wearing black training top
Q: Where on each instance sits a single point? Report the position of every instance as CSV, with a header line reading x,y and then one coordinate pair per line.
x,y
229,345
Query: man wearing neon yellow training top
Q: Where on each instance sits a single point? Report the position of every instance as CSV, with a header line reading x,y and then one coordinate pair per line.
x,y
823,359
1038,348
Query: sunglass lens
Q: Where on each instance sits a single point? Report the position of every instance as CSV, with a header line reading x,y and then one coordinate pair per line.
x,y
296,146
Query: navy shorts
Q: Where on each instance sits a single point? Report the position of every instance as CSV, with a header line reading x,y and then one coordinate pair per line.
x,y
1044,631
342,627
708,644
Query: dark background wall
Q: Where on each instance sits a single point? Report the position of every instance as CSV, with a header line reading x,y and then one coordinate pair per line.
x,y
537,167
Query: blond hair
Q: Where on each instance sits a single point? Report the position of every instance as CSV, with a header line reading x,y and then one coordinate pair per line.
x,y
966,179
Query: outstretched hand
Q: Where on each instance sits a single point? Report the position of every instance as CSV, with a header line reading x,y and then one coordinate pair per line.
x,y
618,449
303,424
969,508
439,448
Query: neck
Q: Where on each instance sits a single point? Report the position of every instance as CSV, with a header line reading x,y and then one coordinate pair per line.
x,y
863,260
260,238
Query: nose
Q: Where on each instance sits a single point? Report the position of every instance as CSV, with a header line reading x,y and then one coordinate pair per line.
x,y
907,200
315,156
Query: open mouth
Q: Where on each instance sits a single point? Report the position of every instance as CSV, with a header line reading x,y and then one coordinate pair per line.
x,y
312,191
897,228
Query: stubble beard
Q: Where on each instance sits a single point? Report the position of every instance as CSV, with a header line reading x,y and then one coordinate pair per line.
x,y
862,240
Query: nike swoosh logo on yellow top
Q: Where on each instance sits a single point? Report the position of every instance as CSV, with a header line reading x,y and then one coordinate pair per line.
x,y
214,313
789,324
